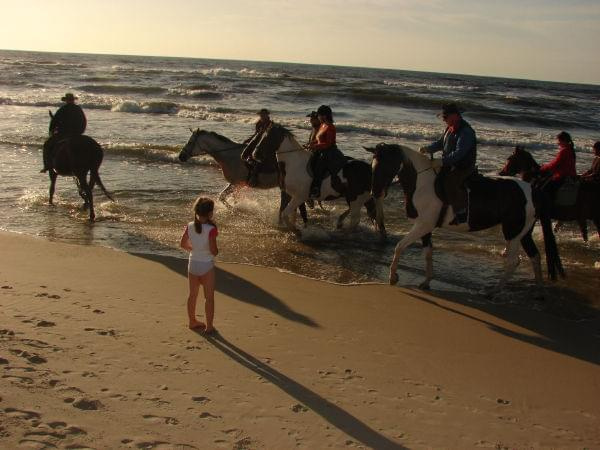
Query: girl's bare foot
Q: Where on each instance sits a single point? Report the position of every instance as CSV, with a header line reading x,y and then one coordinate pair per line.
x,y
210,330
196,325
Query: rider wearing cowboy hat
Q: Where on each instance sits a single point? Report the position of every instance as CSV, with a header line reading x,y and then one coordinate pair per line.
x,y
459,155
248,156
69,120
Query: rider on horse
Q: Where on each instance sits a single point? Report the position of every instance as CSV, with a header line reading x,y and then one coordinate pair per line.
x,y
593,174
459,156
253,161
326,156
562,166
68,121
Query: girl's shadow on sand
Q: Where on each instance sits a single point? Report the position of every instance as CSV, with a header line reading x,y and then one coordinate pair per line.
x,y
237,288
333,414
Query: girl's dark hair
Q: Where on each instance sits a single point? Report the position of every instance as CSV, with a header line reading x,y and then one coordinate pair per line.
x,y
597,145
203,206
565,137
325,110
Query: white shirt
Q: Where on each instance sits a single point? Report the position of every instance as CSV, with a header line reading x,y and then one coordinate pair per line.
x,y
200,242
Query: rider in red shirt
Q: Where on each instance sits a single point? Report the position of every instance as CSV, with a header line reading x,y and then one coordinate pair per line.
x,y
563,165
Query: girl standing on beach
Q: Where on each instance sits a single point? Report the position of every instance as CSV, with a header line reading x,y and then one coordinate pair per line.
x,y
200,239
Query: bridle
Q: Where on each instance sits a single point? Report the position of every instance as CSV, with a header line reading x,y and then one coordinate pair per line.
x,y
197,136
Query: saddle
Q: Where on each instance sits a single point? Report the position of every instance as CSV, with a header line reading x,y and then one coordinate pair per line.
x,y
566,195
442,194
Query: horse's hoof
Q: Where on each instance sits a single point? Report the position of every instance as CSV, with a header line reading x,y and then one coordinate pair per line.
x,y
424,286
393,278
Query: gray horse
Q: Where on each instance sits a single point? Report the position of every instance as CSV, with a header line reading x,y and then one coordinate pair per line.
x,y
228,155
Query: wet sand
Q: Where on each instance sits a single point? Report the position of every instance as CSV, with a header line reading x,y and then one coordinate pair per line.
x,y
95,353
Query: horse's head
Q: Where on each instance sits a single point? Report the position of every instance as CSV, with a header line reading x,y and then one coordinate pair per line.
x,y
388,160
520,161
191,149
272,139
203,142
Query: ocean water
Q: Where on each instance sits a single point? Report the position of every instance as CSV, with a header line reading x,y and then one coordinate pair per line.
x,y
141,110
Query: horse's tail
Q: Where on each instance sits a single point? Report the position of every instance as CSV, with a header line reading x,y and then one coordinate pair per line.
x,y
95,177
552,257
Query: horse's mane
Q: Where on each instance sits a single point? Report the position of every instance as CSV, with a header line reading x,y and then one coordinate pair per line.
x,y
283,130
221,137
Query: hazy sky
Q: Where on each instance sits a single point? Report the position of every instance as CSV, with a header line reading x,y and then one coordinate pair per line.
x,y
538,39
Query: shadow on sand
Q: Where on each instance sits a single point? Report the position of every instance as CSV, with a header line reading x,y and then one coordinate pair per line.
x,y
578,339
237,288
333,414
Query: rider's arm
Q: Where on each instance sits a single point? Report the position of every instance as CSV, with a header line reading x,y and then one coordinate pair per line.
x,y
325,139
464,145
556,163
436,146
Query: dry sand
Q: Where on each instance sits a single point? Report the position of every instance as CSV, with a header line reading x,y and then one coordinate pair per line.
x,y
95,353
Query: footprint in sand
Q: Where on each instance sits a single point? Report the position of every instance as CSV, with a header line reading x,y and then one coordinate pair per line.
x,y
98,311
299,408
201,399
21,413
7,287
45,323
159,419
3,361
102,332
17,379
32,358
5,332
207,415
87,404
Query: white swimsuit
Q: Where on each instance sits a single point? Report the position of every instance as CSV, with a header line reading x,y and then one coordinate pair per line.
x,y
201,260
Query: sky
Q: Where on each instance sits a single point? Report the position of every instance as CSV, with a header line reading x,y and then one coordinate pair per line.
x,y
533,39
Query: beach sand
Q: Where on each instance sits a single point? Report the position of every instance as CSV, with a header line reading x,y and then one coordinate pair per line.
x,y
95,353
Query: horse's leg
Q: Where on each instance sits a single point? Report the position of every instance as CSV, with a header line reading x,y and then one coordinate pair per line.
x,y
510,263
289,215
418,230
342,217
428,254
88,192
303,214
534,256
597,223
582,222
53,175
224,193
355,207
284,200
82,194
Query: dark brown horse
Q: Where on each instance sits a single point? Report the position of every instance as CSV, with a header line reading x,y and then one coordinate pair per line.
x,y
587,205
76,156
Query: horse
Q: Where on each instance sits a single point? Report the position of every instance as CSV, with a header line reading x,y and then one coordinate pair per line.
x,y
228,155
492,200
587,204
353,184
76,156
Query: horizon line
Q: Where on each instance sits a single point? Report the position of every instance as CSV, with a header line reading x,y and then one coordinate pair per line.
x,y
306,64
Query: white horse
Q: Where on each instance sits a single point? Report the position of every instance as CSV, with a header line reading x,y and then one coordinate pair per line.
x,y
505,201
354,178
228,155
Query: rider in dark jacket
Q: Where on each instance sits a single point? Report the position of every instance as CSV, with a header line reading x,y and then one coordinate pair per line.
x,y
68,121
250,158
459,156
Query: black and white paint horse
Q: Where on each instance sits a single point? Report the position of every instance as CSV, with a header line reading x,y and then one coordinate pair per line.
x,y
504,201
294,164
227,154
587,203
